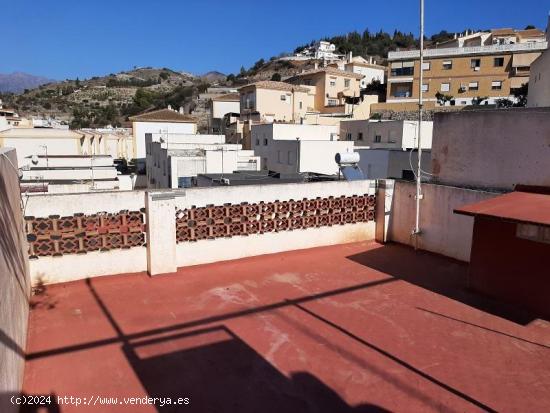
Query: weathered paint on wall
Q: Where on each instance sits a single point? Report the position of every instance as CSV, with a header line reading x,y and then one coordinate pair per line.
x,y
14,283
443,231
492,148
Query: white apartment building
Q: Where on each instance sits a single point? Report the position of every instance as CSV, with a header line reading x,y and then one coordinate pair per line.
x,y
167,121
539,78
386,134
70,173
364,67
175,160
295,148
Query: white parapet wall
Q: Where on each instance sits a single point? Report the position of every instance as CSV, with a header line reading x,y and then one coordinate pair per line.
x,y
442,231
75,236
227,248
72,266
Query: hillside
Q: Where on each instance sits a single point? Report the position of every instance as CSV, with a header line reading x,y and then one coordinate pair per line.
x,y
17,82
110,99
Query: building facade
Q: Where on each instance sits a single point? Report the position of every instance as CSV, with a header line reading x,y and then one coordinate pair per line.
x,y
269,101
333,87
167,121
294,148
390,134
482,67
174,161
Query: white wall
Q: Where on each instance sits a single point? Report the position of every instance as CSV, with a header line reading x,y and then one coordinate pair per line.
x,y
221,108
291,131
205,251
318,156
393,133
14,284
141,128
32,146
390,163
539,82
443,231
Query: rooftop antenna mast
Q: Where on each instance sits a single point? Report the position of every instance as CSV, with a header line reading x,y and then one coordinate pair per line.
x,y
419,195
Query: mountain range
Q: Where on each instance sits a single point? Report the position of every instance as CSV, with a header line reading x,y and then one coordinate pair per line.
x,y
17,82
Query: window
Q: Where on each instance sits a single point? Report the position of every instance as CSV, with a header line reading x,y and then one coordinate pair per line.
x,y
426,66
475,64
473,86
445,87
300,105
348,136
360,136
257,142
332,83
496,85
402,69
425,87
346,82
377,138
499,61
333,102
283,97
265,142
447,64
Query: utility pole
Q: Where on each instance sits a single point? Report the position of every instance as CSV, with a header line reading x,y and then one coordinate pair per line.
x,y
419,195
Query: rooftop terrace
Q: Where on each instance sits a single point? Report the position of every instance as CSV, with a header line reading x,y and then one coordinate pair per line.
x,y
349,328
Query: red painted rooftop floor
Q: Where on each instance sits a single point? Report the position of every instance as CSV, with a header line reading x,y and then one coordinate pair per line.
x,y
349,328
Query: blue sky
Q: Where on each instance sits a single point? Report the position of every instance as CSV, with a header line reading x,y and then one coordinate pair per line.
x,y
69,38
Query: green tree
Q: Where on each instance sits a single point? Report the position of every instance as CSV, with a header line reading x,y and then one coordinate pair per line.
x,y
276,77
521,95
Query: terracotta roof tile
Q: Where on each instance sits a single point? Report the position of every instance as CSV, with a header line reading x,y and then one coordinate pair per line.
x,y
270,84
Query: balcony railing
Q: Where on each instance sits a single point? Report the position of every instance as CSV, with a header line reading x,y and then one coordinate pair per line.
x,y
458,51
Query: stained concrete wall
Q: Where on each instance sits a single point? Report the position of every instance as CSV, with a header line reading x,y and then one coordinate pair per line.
x,y
76,266
206,251
14,283
492,148
443,231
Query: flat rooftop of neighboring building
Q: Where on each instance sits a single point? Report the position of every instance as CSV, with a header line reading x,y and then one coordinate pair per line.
x,y
348,328
250,178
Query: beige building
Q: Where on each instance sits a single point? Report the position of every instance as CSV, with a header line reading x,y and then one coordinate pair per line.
x,y
333,88
270,101
485,64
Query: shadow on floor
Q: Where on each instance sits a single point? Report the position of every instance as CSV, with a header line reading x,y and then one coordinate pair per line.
x,y
438,274
224,374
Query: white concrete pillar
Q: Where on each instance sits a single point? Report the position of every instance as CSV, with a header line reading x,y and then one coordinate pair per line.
x,y
384,202
161,232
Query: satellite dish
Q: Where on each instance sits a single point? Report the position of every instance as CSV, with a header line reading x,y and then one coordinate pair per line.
x,y
34,159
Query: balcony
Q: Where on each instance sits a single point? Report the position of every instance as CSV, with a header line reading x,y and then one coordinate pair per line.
x,y
464,51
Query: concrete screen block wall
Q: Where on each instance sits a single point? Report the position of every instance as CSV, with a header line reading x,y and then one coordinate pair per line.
x,y
218,248
110,224
14,283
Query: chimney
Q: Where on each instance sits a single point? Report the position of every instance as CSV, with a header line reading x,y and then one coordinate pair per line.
x,y
350,57
181,110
